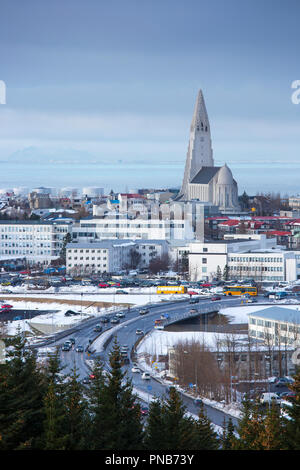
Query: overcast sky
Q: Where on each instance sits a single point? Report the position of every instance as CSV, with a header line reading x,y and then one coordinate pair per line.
x,y
119,79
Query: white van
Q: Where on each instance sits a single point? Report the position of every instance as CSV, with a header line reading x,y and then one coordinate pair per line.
x,y
269,398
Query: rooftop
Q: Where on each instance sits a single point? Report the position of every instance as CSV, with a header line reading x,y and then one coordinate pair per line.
x,y
282,314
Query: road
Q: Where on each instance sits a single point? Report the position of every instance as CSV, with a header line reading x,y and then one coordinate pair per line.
x,y
126,335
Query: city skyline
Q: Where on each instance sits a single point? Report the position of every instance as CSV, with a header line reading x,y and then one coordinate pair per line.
x,y
110,83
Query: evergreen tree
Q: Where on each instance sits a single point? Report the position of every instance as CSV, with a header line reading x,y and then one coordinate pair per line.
x,y
154,433
273,433
219,273
250,428
76,418
293,412
225,273
206,437
54,434
228,437
120,419
179,431
21,398
96,408
67,239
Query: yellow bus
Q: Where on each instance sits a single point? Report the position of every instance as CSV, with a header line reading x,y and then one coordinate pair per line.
x,y
240,290
171,290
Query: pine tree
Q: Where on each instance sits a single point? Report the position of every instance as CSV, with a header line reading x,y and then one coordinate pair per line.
x,y
76,419
54,434
219,273
120,419
21,398
206,436
154,433
273,433
228,437
179,431
250,428
293,412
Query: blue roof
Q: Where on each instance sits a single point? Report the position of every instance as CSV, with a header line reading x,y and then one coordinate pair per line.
x,y
282,314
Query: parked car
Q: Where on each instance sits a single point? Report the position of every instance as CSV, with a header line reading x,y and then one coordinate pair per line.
x,y
198,401
146,376
144,411
283,382
6,307
269,397
216,297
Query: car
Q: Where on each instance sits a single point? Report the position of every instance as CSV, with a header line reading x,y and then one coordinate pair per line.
x,y
124,346
66,347
283,382
6,306
270,397
146,376
17,318
143,311
72,340
86,380
98,328
198,401
103,285
193,310
104,320
135,369
139,332
92,376
79,349
194,301
216,297
286,395
120,315
125,360
121,292
124,353
144,411
115,320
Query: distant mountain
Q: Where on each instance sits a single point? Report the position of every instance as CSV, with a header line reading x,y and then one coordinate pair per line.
x,y
46,155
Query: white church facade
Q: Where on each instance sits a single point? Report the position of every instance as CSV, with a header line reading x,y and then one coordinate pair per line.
x,y
202,180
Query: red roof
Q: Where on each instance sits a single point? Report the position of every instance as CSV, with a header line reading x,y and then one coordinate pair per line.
x,y
278,233
230,222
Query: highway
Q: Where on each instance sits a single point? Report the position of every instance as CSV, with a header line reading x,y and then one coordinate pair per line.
x,y
126,335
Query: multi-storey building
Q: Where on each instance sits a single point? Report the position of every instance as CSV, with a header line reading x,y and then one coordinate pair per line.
x,y
38,242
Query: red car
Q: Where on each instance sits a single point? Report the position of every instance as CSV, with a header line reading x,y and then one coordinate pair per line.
x,y
6,307
216,297
191,292
102,284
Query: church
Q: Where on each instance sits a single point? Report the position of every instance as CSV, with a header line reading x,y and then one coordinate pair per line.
x,y
202,180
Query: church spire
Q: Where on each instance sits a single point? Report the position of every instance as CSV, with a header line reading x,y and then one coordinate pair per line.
x,y
199,149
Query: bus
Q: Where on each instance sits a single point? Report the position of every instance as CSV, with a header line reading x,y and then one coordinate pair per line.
x,y
171,290
240,290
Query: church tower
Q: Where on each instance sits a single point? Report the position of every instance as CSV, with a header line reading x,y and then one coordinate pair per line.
x,y
200,152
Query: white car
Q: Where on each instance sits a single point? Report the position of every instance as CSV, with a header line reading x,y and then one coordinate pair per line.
x,y
135,369
146,376
139,332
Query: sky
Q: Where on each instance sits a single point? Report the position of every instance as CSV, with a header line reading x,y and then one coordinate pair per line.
x,y
118,80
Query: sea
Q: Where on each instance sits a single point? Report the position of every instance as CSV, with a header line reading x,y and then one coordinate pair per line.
x,y
254,178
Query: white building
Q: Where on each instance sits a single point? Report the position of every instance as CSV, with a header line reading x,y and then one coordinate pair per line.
x,y
99,257
275,325
205,258
38,242
124,227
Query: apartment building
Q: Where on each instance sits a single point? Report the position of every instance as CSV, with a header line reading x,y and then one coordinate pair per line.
x,y
38,242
